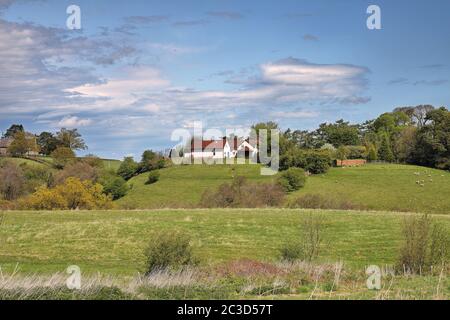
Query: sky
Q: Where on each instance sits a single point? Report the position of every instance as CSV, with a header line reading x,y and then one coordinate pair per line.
x,y
138,70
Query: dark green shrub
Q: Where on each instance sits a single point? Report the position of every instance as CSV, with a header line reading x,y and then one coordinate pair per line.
x,y
128,168
115,186
153,177
292,179
169,251
318,162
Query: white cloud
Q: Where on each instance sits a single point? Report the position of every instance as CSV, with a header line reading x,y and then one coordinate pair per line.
x,y
73,122
295,114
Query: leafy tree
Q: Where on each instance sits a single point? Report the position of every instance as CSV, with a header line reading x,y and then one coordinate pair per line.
x,y
47,143
22,144
62,156
151,161
11,132
256,132
128,168
433,140
372,154
71,139
385,152
342,153
339,134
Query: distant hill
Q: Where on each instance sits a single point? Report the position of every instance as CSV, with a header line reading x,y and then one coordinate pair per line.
x,y
383,187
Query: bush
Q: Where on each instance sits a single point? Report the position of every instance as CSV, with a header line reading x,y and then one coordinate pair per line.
x,y
151,161
12,181
242,194
292,179
128,168
356,152
307,247
73,194
426,244
153,177
62,156
115,186
169,251
318,162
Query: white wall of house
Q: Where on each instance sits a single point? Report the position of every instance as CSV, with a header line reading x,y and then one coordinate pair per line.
x,y
219,153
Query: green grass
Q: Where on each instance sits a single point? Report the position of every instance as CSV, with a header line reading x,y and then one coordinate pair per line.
x,y
111,164
20,161
113,242
386,187
183,186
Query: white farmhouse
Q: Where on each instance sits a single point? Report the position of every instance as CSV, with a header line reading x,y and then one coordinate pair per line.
x,y
220,149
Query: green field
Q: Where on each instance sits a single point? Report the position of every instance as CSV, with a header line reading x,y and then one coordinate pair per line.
x,y
386,187
183,186
113,241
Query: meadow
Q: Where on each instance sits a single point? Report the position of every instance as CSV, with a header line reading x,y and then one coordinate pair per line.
x,y
109,247
113,242
381,187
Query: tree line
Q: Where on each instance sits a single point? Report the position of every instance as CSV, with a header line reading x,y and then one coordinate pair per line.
x,y
417,135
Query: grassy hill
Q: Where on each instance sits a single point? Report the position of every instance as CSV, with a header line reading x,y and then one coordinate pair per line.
x,y
113,241
183,186
376,186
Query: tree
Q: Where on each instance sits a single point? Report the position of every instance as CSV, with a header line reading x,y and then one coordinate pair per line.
x,y
128,168
62,156
385,151
372,154
433,140
342,153
47,143
71,139
12,182
11,132
268,126
151,161
22,144
338,134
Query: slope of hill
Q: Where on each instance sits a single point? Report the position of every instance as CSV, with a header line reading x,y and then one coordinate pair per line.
x,y
385,187
183,186
376,186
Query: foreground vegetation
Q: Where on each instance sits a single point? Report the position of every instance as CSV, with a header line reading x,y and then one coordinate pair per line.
x,y
238,255
114,242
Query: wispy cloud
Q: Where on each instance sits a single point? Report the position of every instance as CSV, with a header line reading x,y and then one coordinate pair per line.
x,y
146,19
190,23
310,37
231,15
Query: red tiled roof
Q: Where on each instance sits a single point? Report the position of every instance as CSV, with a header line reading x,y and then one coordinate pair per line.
x,y
207,144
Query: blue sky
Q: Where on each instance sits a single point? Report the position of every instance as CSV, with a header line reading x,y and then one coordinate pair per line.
x,y
140,69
